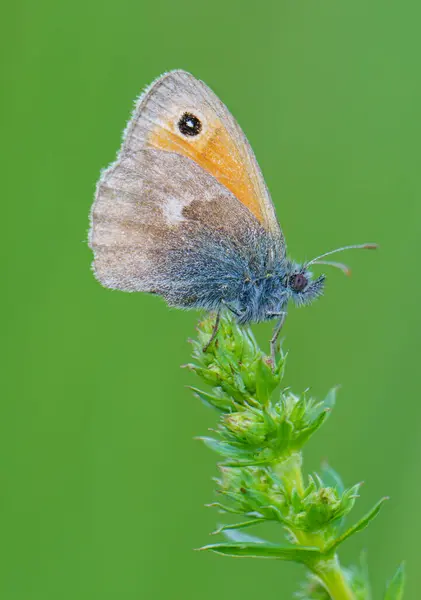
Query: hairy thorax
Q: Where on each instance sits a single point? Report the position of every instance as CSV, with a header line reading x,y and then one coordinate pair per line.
x,y
264,296
262,299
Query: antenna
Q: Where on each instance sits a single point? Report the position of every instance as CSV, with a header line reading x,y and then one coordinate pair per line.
x,y
353,247
344,268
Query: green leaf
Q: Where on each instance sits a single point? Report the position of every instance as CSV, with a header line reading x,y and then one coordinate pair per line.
x,y
396,585
306,433
228,449
362,575
310,488
207,375
230,390
269,422
222,403
239,382
330,400
265,381
284,434
296,503
241,464
250,348
301,554
238,342
242,525
273,513
298,411
331,479
362,524
223,508
234,536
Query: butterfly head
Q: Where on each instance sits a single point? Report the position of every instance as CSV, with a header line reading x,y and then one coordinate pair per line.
x,y
300,285
299,282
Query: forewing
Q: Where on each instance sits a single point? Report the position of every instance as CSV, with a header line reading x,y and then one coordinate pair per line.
x,y
220,148
162,224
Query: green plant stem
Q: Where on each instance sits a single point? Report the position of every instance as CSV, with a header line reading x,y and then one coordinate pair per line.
x,y
328,570
290,472
330,573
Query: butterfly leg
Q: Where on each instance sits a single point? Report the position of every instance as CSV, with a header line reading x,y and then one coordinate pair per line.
x,y
231,309
275,336
214,331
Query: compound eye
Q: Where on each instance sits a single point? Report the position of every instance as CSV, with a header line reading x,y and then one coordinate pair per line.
x,y
189,125
298,282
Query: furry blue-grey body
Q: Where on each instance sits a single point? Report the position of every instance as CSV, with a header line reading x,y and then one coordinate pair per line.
x,y
266,296
249,276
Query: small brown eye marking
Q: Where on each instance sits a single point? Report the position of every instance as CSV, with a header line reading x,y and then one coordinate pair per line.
x,y
189,125
298,282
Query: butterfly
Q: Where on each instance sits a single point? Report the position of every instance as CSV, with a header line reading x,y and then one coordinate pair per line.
x,y
184,213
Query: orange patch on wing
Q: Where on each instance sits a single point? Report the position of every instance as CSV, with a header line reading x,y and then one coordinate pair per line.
x,y
215,152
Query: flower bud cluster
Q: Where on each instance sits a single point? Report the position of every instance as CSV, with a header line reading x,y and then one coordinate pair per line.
x,y
255,428
259,493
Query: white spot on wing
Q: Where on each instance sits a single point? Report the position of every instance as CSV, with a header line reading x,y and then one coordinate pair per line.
x,y
173,209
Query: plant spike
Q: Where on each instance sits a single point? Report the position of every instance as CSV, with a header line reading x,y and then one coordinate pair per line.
x,y
260,436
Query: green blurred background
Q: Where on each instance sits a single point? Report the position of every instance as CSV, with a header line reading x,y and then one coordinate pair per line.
x,y
102,485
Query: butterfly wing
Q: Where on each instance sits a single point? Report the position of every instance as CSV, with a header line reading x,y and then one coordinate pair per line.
x,y
184,211
219,147
162,224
